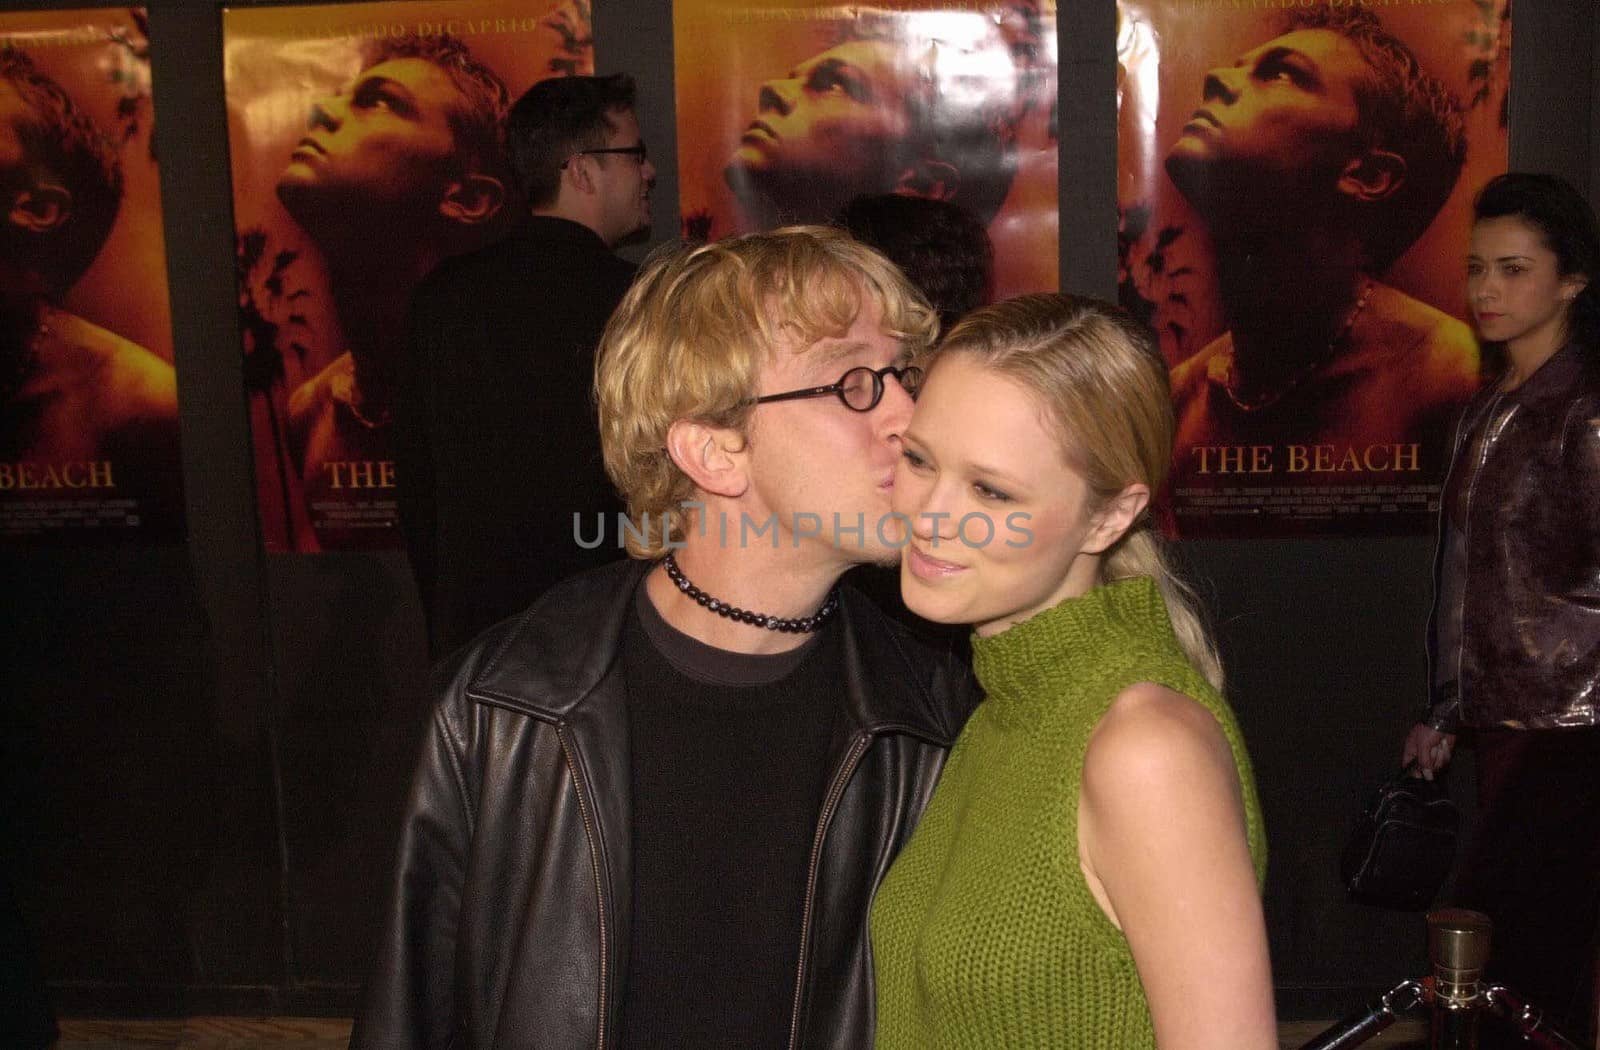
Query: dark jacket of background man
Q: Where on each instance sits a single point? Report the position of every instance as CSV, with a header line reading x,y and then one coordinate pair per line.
x,y
497,447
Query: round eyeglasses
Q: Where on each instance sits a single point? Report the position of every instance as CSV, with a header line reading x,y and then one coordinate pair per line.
x,y
860,389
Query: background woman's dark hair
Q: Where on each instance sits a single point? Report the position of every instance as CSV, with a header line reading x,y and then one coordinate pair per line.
x,y
941,247
1568,225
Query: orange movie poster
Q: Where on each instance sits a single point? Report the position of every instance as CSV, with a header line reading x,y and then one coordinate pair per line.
x,y
809,104
1295,189
88,401
351,128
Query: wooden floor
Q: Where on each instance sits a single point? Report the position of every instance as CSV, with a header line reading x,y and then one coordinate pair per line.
x,y
207,1033
309,1033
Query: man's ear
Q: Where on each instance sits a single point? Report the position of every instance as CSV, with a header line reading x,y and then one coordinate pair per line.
x,y
40,209
931,178
473,199
1374,176
1116,517
712,457
579,173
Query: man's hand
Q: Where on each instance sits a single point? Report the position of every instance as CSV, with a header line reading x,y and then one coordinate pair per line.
x,y
1428,749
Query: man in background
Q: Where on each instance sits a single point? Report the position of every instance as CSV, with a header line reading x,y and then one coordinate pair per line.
x,y
497,451
941,247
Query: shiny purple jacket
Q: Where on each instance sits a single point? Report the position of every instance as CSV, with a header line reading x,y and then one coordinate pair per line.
x,y
1521,647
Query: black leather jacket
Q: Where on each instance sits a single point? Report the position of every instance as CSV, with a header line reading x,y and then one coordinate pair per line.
x,y
1520,648
512,892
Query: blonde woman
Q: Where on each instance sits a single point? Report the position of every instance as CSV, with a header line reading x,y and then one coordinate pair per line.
x,y
1088,871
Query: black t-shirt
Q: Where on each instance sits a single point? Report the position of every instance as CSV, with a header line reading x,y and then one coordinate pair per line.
x,y
729,763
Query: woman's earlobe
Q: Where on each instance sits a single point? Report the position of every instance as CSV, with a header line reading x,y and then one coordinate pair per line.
x,y
1116,517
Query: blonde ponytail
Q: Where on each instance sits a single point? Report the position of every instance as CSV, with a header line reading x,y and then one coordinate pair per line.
x,y
1143,553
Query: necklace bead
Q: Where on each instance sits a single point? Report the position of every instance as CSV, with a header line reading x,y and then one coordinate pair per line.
x,y
798,625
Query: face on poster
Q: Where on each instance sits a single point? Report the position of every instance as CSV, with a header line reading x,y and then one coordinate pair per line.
x,y
1295,188
363,140
810,104
88,400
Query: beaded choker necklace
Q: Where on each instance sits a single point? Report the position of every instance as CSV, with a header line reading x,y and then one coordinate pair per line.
x,y
801,625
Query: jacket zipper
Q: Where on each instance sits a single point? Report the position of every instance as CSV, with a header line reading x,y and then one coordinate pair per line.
x,y
830,803
570,752
1492,432
1435,658
1491,435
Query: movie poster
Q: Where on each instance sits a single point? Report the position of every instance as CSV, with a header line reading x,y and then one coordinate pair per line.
x,y
88,400
809,104
364,143
1295,189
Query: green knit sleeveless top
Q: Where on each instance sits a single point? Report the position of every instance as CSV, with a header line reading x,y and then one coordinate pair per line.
x,y
984,932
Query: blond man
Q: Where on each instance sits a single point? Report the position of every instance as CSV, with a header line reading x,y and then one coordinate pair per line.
x,y
654,809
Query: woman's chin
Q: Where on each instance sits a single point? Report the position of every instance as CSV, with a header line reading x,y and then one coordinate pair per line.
x,y
929,606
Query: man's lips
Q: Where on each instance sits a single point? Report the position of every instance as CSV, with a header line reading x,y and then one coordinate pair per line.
x,y
927,567
760,129
1204,118
1486,315
310,146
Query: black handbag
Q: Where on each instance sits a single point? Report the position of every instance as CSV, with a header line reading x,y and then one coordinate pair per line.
x,y
1403,845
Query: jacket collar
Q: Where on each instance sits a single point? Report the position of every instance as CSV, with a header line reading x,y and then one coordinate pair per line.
x,y
561,649
1557,377
546,228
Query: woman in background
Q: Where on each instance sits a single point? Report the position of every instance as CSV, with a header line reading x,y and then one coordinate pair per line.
x,y
1088,871
1514,639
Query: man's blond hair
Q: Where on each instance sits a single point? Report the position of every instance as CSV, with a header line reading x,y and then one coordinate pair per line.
x,y
690,337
